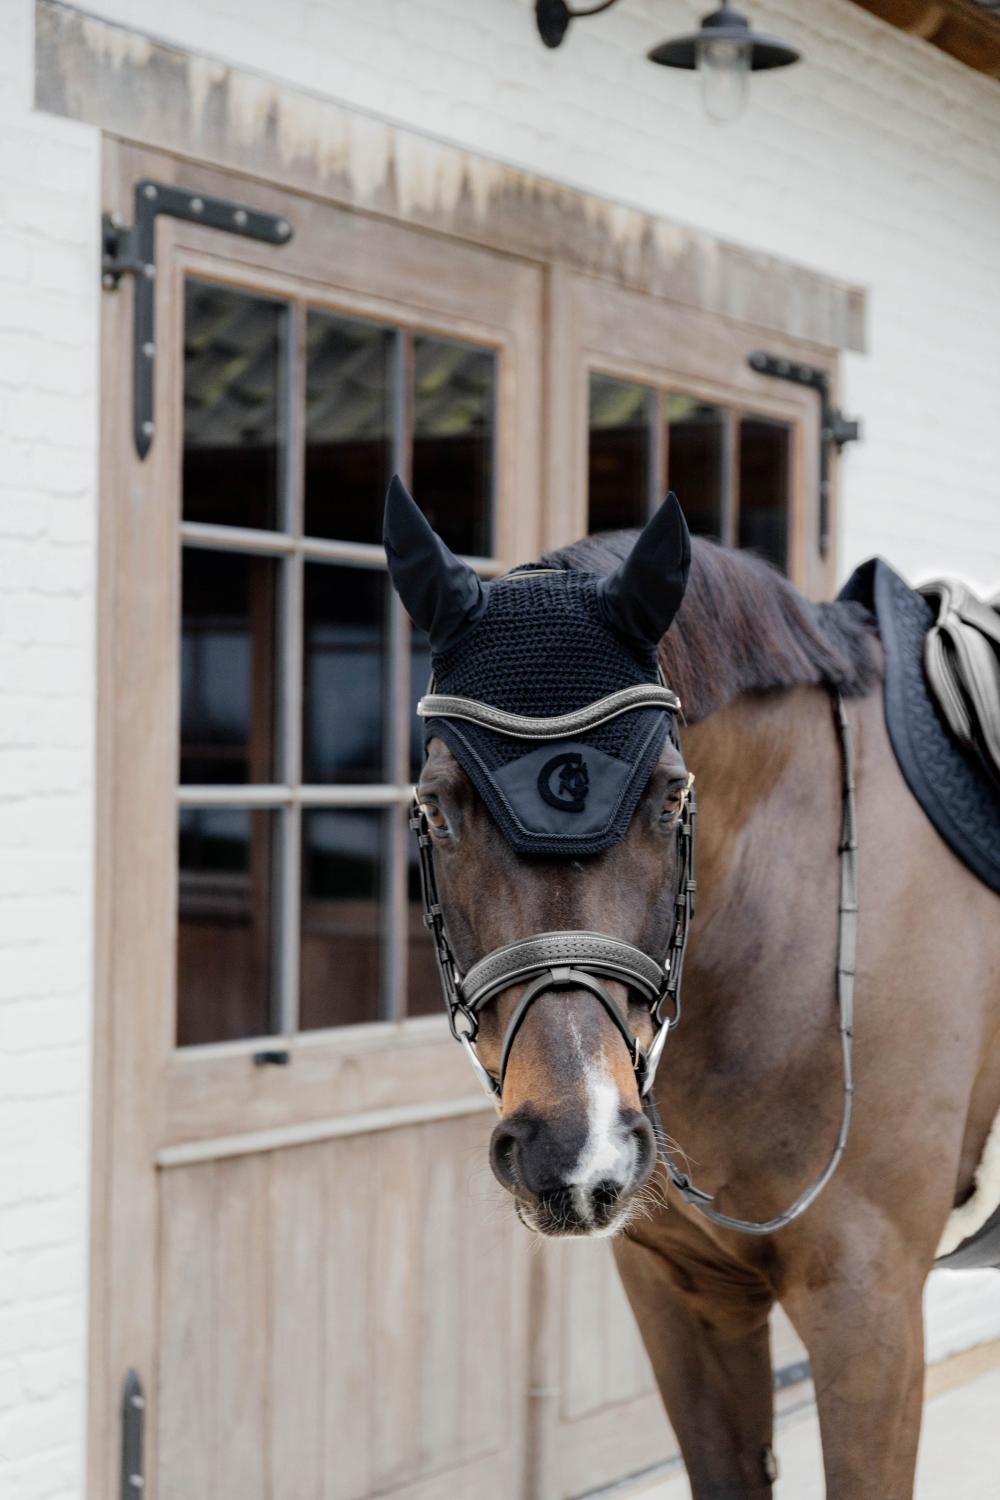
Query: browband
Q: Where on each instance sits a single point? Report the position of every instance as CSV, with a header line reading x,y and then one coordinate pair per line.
x,y
558,727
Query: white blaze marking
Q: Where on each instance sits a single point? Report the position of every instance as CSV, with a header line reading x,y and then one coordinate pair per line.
x,y
607,1153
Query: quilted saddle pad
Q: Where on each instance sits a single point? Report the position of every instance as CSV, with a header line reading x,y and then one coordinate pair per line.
x,y
954,791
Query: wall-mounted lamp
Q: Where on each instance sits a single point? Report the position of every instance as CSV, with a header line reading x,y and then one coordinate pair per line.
x,y
724,50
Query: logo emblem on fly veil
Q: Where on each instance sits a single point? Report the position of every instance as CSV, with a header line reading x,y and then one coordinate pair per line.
x,y
563,782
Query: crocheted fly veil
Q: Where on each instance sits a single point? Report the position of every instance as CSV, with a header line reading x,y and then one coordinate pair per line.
x,y
541,644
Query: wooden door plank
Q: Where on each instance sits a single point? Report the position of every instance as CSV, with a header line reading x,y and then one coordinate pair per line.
x,y
351,1186
489,1259
297,1299
583,1336
188,1413
437,1290
398,1214
241,1331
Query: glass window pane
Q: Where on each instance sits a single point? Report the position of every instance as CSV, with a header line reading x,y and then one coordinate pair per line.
x,y
454,400
228,605
344,669
695,462
235,407
225,924
349,426
343,923
764,479
620,453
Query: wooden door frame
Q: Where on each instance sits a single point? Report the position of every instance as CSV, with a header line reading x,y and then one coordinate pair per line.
x,y
214,1102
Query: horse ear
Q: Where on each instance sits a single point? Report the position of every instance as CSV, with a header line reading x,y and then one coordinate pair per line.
x,y
644,594
442,594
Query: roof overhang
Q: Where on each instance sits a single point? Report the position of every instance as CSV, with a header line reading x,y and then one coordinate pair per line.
x,y
968,30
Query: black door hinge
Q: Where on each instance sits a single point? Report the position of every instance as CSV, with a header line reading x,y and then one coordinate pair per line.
x,y
835,428
130,250
133,1479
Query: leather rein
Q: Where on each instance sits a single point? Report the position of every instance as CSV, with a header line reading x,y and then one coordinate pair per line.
x,y
585,960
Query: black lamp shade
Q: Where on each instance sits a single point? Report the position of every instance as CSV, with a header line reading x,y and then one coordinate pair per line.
x,y
724,25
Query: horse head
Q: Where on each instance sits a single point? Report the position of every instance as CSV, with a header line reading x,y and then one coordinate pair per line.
x,y
549,809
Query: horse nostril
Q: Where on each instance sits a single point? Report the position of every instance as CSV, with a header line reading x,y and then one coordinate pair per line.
x,y
504,1152
645,1149
605,1194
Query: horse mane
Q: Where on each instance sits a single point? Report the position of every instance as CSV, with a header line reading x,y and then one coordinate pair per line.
x,y
743,628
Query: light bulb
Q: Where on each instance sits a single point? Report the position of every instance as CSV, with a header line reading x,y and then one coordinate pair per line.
x,y
724,71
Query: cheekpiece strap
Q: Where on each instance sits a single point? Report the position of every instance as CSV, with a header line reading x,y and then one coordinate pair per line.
x,y
558,727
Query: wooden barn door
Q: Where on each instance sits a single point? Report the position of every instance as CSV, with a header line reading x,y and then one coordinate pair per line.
x,y
297,1248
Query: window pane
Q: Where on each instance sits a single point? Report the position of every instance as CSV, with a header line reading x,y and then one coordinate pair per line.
x,y
621,453
225,925
227,667
764,476
453,440
343,856
235,417
423,982
349,426
344,665
695,462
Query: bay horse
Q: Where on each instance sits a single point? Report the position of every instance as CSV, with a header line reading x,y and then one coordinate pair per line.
x,y
751,1083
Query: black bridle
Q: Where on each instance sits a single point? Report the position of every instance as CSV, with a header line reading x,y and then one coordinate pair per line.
x,y
584,960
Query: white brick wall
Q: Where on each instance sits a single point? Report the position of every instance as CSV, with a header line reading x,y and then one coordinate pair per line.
x,y
48,432
877,161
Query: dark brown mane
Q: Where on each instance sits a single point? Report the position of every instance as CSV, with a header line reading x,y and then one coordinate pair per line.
x,y
743,627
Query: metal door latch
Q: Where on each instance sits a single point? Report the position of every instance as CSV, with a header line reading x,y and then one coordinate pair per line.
x,y
130,250
835,428
133,1480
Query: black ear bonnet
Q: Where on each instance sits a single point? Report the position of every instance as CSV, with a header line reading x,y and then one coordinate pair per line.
x,y
542,643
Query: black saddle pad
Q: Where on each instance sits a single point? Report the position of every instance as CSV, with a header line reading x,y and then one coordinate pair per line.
x,y
954,791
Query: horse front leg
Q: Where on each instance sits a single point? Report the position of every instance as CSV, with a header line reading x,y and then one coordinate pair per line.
x,y
710,1350
865,1337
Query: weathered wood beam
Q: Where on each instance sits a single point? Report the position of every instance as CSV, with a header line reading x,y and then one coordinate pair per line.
x,y
959,27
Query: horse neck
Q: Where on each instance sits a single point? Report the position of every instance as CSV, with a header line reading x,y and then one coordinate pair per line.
x,y
769,777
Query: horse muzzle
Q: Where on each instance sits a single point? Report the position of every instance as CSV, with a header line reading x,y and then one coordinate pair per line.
x,y
570,1175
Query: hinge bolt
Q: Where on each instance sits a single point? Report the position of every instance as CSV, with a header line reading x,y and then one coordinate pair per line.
x,y
149,271
139,1402
283,228
116,221
137,1482
148,429
108,282
197,204
240,217
149,349
149,190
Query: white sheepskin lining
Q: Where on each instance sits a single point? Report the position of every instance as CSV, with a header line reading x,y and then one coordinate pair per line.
x,y
981,1202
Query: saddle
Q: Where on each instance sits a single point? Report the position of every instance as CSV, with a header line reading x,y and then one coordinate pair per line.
x,y
942,704
962,663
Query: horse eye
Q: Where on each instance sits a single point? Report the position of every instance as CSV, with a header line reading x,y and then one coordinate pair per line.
x,y
435,817
673,801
